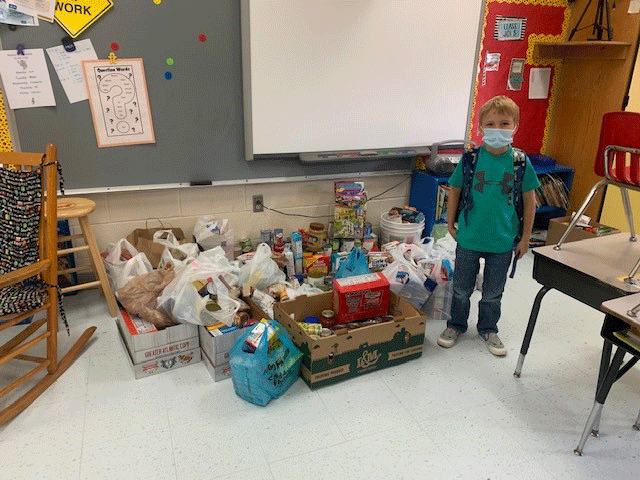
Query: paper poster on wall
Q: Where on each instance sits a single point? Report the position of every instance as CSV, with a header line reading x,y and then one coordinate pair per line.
x,y
491,64
26,79
509,28
10,16
119,101
516,74
42,8
539,79
68,66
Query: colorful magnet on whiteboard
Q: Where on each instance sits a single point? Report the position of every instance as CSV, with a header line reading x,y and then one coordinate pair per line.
x,y
169,61
67,43
115,47
20,48
157,2
202,37
167,75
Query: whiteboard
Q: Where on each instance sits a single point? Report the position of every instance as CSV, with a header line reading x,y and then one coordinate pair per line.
x,y
357,74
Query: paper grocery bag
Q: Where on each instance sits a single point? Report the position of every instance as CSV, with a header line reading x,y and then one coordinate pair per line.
x,y
142,239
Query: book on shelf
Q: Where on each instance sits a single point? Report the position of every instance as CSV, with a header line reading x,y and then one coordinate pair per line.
x,y
552,192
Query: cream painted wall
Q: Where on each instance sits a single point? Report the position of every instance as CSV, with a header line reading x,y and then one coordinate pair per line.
x,y
612,209
117,214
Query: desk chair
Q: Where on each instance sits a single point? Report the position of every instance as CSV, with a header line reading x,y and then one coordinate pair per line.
x,y
80,208
618,161
28,271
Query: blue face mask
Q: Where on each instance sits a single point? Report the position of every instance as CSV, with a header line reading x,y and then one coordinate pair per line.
x,y
497,137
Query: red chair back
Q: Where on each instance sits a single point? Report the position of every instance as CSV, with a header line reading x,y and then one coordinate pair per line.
x,y
621,129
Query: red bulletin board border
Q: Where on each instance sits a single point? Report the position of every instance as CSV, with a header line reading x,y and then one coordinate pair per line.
x,y
547,20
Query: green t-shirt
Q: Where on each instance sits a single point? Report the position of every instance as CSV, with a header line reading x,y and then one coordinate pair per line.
x,y
492,222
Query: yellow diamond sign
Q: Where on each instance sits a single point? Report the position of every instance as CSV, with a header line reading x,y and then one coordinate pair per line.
x,y
75,16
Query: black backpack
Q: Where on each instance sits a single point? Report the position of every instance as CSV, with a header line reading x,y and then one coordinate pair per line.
x,y
465,203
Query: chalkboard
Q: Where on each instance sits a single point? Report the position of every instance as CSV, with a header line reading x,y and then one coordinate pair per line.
x,y
197,114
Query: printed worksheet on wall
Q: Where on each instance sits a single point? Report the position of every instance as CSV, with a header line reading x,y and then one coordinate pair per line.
x,y
119,101
68,66
26,79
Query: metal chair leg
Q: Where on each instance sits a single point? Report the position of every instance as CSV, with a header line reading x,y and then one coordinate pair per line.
x,y
595,413
583,207
633,272
628,212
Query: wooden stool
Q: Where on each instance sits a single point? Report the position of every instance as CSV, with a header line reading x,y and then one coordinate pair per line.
x,y
80,208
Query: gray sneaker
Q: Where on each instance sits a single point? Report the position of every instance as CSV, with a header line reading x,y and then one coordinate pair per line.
x,y
494,345
448,338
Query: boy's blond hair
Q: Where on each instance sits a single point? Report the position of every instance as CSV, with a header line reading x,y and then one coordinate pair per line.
x,y
502,105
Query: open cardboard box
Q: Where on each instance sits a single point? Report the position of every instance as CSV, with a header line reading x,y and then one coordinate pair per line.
x,y
154,343
162,363
216,343
557,227
350,353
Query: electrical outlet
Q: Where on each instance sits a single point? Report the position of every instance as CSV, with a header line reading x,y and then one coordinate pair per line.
x,y
258,205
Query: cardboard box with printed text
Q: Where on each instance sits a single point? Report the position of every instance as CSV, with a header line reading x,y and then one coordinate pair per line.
x,y
350,353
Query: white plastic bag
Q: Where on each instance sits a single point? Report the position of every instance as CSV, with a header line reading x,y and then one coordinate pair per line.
x,y
210,232
191,296
120,269
407,280
261,271
174,255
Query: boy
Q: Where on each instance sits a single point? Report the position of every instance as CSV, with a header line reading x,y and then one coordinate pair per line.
x,y
492,190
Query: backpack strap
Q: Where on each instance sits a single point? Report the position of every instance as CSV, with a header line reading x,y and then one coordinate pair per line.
x,y
519,167
465,203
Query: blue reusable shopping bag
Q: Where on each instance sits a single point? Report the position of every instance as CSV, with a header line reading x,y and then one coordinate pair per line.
x,y
355,264
263,375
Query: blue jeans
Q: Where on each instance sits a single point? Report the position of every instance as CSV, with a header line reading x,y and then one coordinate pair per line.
x,y
464,281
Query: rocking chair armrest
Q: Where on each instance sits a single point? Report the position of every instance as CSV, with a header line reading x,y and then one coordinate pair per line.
x,y
23,273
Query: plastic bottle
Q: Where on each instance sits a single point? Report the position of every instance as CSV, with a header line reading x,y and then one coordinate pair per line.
x,y
296,245
289,263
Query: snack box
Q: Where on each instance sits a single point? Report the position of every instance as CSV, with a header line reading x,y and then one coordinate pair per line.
x,y
360,296
145,342
350,353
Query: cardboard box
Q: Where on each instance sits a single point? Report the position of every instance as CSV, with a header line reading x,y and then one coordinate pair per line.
x,y
217,372
361,296
216,343
162,363
350,353
557,227
154,343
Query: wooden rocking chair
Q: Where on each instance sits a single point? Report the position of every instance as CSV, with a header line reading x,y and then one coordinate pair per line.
x,y
28,270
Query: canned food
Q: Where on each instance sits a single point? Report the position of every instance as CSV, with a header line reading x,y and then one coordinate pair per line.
x,y
311,328
328,318
265,236
245,245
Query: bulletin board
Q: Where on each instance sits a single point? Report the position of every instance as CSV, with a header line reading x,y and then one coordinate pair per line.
x,y
544,20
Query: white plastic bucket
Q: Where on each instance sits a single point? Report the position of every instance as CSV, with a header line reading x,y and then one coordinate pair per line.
x,y
400,232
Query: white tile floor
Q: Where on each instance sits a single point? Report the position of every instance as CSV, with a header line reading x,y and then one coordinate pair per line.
x,y
452,414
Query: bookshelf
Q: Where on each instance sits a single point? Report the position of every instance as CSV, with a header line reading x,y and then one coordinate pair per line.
x,y
424,194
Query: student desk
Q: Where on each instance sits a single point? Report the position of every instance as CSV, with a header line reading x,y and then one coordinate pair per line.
x,y
588,270
618,318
